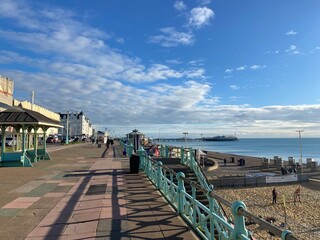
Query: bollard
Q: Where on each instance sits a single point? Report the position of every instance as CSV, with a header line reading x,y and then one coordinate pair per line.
x,y
181,188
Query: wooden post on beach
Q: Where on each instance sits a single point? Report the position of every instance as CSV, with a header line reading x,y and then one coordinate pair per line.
x,y
284,208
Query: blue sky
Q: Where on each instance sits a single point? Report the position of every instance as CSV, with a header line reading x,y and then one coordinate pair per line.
x,y
166,67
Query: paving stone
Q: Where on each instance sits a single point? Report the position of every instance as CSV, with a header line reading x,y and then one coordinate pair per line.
x,y
126,206
63,189
10,212
41,190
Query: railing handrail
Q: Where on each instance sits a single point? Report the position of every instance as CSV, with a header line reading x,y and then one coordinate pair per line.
x,y
240,208
271,228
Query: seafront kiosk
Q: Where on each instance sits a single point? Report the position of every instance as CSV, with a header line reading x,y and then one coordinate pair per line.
x,y
26,126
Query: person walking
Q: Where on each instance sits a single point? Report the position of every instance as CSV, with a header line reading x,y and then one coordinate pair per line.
x,y
296,195
274,196
108,143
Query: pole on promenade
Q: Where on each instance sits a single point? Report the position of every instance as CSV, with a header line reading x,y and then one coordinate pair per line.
x,y
300,161
67,125
185,139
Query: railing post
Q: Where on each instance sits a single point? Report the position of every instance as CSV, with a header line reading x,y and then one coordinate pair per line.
x,y
211,207
181,190
142,156
182,155
239,223
284,234
159,173
191,156
130,150
162,151
127,149
147,166
167,151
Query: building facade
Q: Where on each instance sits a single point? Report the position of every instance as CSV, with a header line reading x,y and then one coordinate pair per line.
x,y
78,125
6,93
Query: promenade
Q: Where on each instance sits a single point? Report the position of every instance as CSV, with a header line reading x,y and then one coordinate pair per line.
x,y
84,192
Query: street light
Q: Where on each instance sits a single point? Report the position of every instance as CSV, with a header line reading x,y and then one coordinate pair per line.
x,y
67,124
185,138
300,161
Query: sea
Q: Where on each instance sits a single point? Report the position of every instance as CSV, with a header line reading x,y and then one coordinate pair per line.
x,y
259,147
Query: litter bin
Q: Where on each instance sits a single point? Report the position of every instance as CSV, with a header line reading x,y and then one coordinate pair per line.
x,y
241,162
134,163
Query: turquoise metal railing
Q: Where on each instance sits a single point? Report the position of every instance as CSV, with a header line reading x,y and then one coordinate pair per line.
x,y
206,221
128,148
188,158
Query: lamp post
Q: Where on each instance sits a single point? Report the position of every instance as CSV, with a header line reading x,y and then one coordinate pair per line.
x,y
300,161
67,124
185,139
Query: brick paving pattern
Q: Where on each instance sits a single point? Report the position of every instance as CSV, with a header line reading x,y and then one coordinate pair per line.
x,y
84,193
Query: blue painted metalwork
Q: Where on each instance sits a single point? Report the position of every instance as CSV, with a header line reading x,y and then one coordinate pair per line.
x,y
208,221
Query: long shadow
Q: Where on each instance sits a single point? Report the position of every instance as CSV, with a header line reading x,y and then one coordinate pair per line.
x,y
104,153
116,223
58,227
146,196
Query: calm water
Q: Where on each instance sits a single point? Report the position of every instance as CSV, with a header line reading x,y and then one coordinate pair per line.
x,y
262,147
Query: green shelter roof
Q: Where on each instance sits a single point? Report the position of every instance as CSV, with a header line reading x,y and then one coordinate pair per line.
x,y
20,116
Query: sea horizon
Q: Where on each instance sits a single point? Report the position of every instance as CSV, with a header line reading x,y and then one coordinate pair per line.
x,y
259,147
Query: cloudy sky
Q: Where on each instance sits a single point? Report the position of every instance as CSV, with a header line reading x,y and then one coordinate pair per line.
x,y
166,67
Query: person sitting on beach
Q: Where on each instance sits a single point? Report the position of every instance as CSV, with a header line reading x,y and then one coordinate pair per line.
x,y
274,196
296,195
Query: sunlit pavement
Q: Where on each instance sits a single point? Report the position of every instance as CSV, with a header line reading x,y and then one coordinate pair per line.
x,y
84,193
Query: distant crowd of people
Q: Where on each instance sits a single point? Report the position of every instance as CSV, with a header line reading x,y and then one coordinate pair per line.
x,y
99,142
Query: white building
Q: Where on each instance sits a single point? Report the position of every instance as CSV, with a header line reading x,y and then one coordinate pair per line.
x,y
79,125
6,93
7,101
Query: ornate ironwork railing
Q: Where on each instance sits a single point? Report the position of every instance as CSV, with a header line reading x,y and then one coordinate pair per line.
x,y
207,221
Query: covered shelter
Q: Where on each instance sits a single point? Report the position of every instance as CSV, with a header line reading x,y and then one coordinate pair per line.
x,y
26,125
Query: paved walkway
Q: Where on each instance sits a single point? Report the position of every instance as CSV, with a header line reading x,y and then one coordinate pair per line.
x,y
84,193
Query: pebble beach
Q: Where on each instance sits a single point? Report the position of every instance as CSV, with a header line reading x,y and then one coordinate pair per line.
x,y
302,218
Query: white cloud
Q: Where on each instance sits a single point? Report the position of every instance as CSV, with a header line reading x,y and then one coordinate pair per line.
x,y
291,32
292,50
241,68
174,61
195,73
257,67
171,38
200,16
228,70
198,62
120,40
234,87
179,5
74,67
72,43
